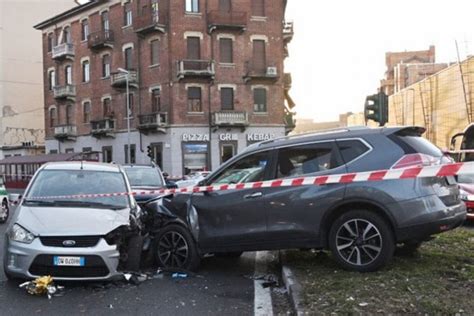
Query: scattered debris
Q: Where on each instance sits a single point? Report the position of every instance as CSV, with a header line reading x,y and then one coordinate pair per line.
x,y
269,280
350,298
43,286
177,275
363,304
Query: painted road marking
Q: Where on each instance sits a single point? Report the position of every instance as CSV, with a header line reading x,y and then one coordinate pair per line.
x,y
262,297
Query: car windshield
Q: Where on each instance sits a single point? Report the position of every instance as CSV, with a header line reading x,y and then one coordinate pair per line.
x,y
53,183
144,177
466,178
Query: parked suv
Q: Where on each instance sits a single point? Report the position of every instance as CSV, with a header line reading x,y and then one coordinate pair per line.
x,y
145,177
78,237
360,222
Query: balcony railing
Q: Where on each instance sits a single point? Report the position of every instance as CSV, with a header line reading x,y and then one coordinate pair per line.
x,y
227,20
64,92
63,51
153,122
100,39
119,79
260,72
103,128
150,22
230,119
288,31
196,68
65,132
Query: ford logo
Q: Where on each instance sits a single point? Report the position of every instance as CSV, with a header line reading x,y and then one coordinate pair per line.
x,y
69,243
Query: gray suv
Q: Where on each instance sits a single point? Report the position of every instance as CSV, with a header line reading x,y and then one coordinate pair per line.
x,y
360,222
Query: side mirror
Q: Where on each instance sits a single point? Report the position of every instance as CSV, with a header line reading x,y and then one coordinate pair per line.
x,y
14,198
202,183
171,185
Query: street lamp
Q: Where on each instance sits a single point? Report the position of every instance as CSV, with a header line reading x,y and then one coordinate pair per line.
x,y
129,149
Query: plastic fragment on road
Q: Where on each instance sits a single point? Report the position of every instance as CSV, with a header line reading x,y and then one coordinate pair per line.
x,y
43,286
179,275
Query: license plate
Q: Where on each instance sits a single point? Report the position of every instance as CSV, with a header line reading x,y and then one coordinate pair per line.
x,y
69,261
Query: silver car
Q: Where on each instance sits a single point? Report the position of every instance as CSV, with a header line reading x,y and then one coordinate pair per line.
x,y
72,237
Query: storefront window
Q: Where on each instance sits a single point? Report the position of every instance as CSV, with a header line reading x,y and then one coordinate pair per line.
x,y
195,157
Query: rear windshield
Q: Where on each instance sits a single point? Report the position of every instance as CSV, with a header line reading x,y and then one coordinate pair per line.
x,y
417,144
143,177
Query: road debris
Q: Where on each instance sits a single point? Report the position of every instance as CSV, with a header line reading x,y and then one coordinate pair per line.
x,y
179,275
43,286
269,280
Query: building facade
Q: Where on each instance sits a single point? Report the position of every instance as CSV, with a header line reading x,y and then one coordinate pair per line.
x,y
202,79
442,103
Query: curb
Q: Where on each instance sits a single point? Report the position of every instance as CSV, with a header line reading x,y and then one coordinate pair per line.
x,y
292,285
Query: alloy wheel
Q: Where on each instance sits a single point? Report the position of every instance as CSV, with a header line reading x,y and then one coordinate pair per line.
x,y
173,249
4,213
358,242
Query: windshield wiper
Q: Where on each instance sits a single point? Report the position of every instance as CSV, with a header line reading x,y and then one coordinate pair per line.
x,y
39,202
91,204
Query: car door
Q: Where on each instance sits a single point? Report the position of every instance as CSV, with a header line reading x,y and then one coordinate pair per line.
x,y
234,218
294,214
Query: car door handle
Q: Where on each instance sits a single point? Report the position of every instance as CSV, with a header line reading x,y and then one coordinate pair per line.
x,y
253,195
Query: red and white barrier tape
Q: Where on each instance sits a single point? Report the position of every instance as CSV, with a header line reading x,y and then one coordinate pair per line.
x,y
453,169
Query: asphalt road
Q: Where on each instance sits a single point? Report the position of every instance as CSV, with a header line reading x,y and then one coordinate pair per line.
x,y
221,287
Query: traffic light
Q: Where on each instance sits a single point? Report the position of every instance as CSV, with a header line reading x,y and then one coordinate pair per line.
x,y
376,108
149,151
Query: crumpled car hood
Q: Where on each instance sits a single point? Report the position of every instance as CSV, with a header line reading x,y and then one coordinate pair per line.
x,y
71,221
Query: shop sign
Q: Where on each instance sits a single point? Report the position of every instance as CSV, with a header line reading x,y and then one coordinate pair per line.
x,y
228,136
195,137
259,137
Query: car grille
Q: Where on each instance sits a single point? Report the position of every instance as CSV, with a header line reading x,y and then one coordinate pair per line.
x,y
94,267
80,241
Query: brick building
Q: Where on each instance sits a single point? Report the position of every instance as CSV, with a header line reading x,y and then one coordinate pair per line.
x,y
205,78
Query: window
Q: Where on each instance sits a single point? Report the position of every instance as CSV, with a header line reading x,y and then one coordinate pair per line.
x,y
193,48
192,6
85,71
107,107
106,66
155,100
225,50
157,154
67,35
128,52
258,7
227,98
69,150
259,100
225,5
84,29
132,154
305,159
86,149
351,149
107,154
249,169
50,42
53,117
51,79
154,52
86,112
104,16
69,114
68,74
259,55
127,14
194,99
228,150
195,157
130,104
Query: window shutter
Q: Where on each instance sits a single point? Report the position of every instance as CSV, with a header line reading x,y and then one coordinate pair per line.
x,y
258,7
259,62
154,47
194,48
227,98
128,58
260,100
226,50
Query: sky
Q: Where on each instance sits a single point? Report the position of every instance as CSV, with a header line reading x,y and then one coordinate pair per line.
x,y
337,55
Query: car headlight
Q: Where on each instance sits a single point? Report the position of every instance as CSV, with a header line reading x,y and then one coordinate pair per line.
x,y
18,233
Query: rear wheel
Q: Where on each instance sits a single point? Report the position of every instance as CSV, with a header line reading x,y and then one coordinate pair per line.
x,y
5,212
361,240
175,248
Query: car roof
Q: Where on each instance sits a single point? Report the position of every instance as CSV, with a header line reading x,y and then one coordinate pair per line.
x,y
82,165
139,166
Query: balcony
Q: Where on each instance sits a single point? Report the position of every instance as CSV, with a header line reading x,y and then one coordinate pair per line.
x,y
103,128
232,21
63,51
65,92
65,132
288,32
196,69
155,122
230,119
260,73
100,39
150,22
287,79
119,79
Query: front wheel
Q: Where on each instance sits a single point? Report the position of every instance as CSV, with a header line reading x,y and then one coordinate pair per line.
x,y
5,212
175,248
361,241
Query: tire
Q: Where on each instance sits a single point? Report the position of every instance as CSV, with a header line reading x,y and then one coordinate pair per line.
x,y
233,254
7,211
175,248
134,253
361,241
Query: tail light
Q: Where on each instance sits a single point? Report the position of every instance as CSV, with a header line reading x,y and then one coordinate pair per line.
x,y
417,160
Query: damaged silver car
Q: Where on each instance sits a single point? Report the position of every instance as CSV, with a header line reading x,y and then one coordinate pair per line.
x,y
58,232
